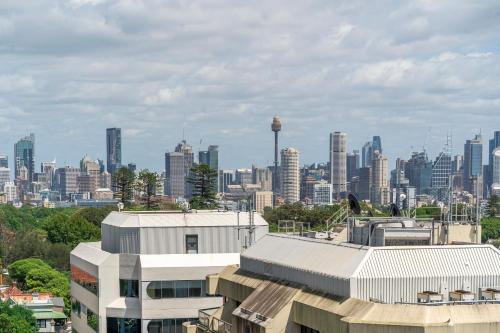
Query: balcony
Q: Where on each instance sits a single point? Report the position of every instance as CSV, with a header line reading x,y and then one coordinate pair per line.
x,y
208,323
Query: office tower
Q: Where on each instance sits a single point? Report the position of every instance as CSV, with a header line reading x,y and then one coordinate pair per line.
x,y
473,164
262,177
67,180
493,144
441,172
380,182
48,169
261,200
104,180
338,163
4,161
210,157
113,149
377,145
457,163
10,190
418,170
307,188
4,177
243,177
290,175
225,179
352,164
175,174
364,183
275,127
323,193
86,183
496,166
102,167
366,155
24,155
187,151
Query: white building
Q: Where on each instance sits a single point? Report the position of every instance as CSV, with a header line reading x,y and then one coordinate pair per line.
x,y
338,162
4,176
322,193
10,190
496,166
290,175
148,272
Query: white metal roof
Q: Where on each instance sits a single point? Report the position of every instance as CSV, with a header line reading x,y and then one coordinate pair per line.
x,y
179,219
189,260
91,252
344,260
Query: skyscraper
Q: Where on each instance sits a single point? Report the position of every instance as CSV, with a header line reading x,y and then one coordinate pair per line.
x,y
290,175
113,149
418,170
338,163
175,174
24,156
187,151
496,166
366,155
67,179
352,165
473,164
493,144
377,145
380,180
441,171
210,157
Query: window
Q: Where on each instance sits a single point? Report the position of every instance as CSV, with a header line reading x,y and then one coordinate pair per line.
x,y
176,289
41,323
84,279
167,325
129,288
76,307
191,244
123,325
92,320
305,329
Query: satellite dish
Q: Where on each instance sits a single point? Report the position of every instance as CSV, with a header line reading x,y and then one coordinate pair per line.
x,y
395,212
354,204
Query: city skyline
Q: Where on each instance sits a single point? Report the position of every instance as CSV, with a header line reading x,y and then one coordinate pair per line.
x,y
89,65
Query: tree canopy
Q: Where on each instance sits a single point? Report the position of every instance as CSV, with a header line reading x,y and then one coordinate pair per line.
x,y
123,184
203,180
16,319
147,183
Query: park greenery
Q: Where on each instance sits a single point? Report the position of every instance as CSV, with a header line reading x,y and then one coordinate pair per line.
x,y
16,319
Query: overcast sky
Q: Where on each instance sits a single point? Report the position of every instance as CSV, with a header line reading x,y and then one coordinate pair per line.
x,y
218,71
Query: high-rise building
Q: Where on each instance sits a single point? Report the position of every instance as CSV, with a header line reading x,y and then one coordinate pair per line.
x,y
175,174
352,164
290,175
457,163
441,172
473,164
366,155
338,163
377,145
4,177
493,144
496,166
244,177
187,151
261,200
225,179
113,149
380,180
24,155
4,161
10,190
67,180
323,193
418,170
307,188
364,183
210,157
263,177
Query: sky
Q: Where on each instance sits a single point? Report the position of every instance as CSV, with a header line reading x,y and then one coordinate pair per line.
x,y
217,71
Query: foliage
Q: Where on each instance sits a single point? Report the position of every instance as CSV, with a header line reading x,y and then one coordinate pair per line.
x,y
123,184
20,269
96,215
490,229
146,184
316,216
429,211
18,218
492,207
71,230
204,180
16,319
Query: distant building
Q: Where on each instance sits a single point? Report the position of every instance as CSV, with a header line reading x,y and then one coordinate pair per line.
x,y
67,180
225,179
10,190
290,176
113,149
323,193
473,165
48,169
132,167
338,163
364,183
307,187
380,181
24,156
187,151
366,155
4,161
263,177
441,172
210,157
493,144
103,194
261,200
418,170
353,164
175,174
243,177
4,176
496,166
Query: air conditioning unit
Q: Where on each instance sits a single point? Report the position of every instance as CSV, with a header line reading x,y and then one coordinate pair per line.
x,y
491,294
462,295
429,297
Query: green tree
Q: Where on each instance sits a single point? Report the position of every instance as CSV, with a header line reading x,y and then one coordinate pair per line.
x,y
71,230
123,184
146,184
96,215
57,256
16,319
204,180
19,270
490,229
27,243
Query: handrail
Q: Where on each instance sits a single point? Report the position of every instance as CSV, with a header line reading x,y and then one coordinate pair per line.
x,y
209,323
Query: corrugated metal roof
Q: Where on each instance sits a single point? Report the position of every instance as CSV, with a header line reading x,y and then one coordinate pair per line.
x,y
322,257
423,261
174,219
189,260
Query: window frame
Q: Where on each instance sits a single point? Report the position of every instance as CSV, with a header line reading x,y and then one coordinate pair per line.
x,y
187,244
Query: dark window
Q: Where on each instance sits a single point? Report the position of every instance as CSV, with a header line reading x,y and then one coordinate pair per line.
x,y
195,288
167,325
76,307
191,243
305,329
181,289
129,288
154,289
167,289
123,325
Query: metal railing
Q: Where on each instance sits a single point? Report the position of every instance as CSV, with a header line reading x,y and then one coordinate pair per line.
x,y
208,323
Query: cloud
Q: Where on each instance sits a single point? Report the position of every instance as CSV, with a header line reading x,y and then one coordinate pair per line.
x,y
220,70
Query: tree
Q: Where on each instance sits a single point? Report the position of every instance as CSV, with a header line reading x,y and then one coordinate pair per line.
x,y
27,243
96,215
16,319
146,184
20,269
71,230
493,205
123,184
204,180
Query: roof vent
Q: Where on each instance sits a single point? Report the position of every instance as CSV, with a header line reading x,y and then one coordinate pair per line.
x,y
462,295
429,297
